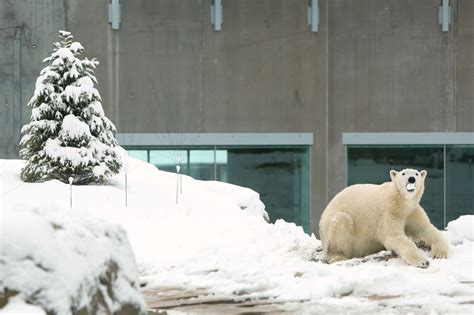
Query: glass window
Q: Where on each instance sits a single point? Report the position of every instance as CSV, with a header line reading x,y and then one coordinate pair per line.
x,y
221,165
459,181
166,160
201,164
372,164
139,154
279,175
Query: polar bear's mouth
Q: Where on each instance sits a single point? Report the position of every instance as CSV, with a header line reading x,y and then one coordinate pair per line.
x,y
410,187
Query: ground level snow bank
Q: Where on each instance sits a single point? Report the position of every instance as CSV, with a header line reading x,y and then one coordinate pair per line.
x,y
66,262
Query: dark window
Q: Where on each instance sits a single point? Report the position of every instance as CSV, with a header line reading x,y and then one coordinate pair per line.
x,y
459,181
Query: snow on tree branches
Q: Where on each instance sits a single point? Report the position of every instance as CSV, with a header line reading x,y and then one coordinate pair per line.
x,y
68,135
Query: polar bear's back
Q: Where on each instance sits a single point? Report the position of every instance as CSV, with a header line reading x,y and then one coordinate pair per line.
x,y
360,199
361,207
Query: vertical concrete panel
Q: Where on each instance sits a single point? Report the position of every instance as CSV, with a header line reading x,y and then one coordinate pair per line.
x,y
390,69
28,30
465,66
88,22
259,71
150,72
319,157
266,72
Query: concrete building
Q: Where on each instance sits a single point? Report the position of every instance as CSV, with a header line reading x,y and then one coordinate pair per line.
x,y
265,102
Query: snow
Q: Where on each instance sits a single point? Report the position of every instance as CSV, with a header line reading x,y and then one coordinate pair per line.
x,y
18,306
42,87
63,53
77,156
461,229
76,46
213,238
38,111
42,124
74,128
97,109
73,93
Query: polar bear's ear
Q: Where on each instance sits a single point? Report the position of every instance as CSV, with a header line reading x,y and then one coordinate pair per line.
x,y
423,174
393,174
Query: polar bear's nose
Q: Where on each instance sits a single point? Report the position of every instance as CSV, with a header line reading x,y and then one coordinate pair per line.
x,y
411,179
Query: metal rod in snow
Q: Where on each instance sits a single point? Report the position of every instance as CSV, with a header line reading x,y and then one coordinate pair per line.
x,y
126,190
71,180
126,179
180,176
178,168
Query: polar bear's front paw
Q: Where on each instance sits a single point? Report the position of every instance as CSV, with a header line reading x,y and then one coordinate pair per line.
x,y
425,264
418,261
335,258
439,251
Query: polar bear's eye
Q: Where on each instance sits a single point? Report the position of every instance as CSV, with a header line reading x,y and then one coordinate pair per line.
x,y
416,174
403,174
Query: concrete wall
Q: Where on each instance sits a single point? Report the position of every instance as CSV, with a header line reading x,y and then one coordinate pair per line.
x,y
464,56
27,31
373,66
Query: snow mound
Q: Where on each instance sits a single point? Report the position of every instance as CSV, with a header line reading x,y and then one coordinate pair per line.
x,y
66,262
247,199
461,229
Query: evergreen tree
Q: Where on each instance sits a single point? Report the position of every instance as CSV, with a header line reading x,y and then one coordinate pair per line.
x,y
68,135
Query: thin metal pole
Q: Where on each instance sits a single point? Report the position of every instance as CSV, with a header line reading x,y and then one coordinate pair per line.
x,y
188,171
444,186
70,191
178,168
125,160
180,184
215,162
126,189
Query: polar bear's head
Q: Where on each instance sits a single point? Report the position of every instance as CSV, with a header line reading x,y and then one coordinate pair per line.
x,y
410,182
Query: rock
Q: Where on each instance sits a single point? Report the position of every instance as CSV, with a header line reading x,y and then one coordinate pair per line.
x,y
67,262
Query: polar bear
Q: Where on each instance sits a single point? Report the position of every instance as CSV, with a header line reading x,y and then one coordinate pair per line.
x,y
364,219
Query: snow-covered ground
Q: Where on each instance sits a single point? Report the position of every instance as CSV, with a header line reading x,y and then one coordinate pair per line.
x,y
215,240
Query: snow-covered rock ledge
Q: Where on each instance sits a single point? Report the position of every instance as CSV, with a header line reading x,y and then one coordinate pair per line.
x,y
66,263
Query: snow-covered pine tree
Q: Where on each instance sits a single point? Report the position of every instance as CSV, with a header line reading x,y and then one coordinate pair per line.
x,y
68,135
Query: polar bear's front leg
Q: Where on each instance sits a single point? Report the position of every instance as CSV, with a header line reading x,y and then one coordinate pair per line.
x,y
420,228
406,249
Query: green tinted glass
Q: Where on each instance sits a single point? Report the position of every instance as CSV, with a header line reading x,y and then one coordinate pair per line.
x,y
201,164
167,160
459,181
139,154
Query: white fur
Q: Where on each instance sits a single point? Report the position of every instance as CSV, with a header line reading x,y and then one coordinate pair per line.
x,y
364,219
